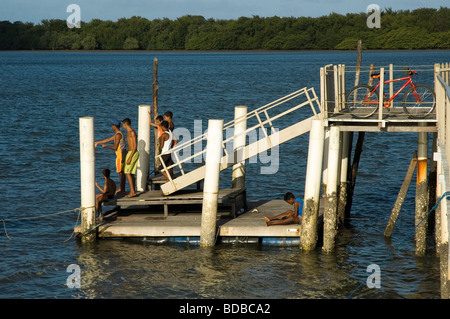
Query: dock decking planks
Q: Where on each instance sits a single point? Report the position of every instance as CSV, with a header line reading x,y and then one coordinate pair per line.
x,y
249,224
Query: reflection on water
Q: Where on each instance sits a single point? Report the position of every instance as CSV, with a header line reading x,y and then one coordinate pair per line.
x,y
132,269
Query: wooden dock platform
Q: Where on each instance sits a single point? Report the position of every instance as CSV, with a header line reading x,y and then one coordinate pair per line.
x,y
186,227
392,120
183,197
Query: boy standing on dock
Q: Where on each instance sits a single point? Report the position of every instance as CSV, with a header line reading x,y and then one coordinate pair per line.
x,y
168,116
132,156
120,149
166,141
289,217
157,125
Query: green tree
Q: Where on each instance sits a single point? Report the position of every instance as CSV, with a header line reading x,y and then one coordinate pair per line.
x,y
89,42
131,44
402,29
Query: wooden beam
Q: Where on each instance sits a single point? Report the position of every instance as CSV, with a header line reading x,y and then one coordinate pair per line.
x,y
401,197
388,128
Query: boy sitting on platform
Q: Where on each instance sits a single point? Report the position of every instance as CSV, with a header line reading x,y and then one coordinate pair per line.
x,y
290,216
107,192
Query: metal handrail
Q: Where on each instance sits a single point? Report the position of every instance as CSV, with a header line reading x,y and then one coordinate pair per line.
x,y
255,113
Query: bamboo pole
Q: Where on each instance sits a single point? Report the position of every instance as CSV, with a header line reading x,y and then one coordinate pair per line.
x,y
211,183
87,170
308,238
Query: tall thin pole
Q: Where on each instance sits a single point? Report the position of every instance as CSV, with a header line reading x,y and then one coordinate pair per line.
x,y
155,109
87,170
238,174
358,61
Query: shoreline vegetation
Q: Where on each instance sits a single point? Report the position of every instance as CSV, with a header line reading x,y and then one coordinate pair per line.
x,y
420,29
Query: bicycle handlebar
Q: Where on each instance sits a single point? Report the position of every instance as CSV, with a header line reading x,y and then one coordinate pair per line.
x,y
409,72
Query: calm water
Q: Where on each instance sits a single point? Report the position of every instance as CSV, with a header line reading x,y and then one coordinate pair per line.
x,y
42,96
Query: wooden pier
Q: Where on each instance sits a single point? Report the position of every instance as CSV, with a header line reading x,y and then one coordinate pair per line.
x,y
327,191
183,225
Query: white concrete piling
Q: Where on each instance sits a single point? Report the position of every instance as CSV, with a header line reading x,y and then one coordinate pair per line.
x,y
240,126
421,193
87,173
211,183
331,200
346,148
143,148
308,238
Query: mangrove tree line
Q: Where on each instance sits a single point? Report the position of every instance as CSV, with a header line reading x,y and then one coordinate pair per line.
x,y
404,29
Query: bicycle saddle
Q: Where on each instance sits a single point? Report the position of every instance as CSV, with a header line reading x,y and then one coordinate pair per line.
x,y
375,75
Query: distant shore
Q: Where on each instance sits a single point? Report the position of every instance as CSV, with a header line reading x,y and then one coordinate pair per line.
x,y
222,51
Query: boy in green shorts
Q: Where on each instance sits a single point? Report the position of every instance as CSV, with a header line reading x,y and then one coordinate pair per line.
x,y
132,156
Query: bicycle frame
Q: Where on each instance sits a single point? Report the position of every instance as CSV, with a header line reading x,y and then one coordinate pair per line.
x,y
388,102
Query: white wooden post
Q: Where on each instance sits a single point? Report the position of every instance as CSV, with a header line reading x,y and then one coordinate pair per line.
x,y
330,211
143,148
211,183
421,193
381,101
308,238
87,170
240,126
346,147
391,84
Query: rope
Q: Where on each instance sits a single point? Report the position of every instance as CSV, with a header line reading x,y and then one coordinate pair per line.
x,y
446,194
79,209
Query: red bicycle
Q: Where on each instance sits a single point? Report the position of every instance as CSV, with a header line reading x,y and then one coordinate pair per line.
x,y
419,100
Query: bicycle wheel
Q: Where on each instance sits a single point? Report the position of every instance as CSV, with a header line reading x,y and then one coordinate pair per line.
x,y
361,101
420,102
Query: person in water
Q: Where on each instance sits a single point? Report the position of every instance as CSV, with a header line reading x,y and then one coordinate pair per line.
x,y
107,192
289,217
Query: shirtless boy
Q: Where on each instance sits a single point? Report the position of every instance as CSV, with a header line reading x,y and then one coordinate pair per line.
x,y
132,156
120,149
289,217
108,190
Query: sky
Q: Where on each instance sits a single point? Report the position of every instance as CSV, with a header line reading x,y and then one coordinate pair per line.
x,y
36,10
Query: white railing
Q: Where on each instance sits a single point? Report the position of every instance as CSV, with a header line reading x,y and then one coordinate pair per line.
x,y
443,103
442,156
264,122
334,84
